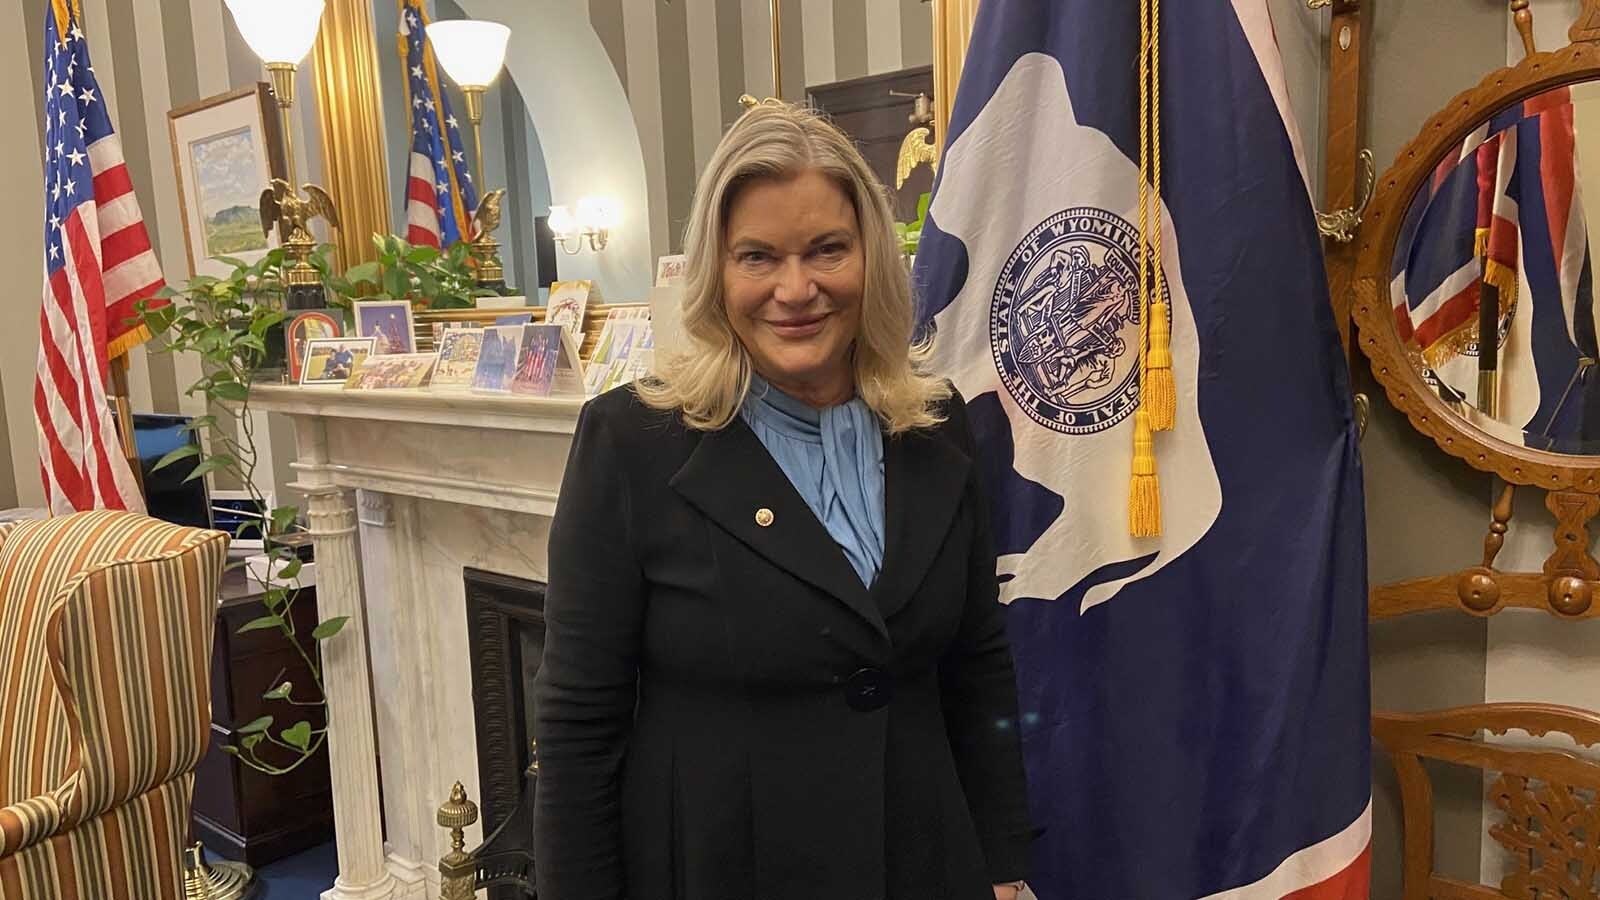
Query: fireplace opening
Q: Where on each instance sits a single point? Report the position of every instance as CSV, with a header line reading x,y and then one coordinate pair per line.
x,y
505,636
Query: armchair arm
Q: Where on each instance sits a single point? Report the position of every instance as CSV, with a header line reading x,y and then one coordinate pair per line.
x,y
27,823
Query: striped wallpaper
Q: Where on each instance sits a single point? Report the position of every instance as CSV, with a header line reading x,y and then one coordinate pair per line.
x,y
682,63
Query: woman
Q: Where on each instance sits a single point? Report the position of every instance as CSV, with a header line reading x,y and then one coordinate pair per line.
x,y
775,667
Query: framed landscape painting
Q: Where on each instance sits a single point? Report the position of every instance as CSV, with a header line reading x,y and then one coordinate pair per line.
x,y
225,149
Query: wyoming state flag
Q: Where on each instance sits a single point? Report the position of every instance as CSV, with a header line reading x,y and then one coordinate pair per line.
x,y
1195,706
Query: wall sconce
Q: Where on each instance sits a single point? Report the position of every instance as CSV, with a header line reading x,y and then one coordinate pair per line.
x,y
593,223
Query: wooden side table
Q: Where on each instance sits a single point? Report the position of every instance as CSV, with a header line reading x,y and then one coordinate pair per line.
x,y
240,813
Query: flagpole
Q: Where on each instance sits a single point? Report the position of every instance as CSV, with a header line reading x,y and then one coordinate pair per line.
x,y
777,48
122,407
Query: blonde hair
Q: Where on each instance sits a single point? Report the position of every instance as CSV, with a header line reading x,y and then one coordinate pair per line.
x,y
709,381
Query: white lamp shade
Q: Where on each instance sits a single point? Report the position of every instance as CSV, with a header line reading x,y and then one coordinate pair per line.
x,y
279,31
471,51
597,213
561,221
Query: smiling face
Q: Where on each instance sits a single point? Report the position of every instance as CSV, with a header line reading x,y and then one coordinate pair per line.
x,y
792,282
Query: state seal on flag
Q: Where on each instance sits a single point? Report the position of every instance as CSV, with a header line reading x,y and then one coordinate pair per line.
x,y
1064,321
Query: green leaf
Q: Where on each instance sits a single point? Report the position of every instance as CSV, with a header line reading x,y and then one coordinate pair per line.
x,y
273,599
249,741
367,271
230,390
258,726
199,422
298,735
210,464
261,624
282,516
329,628
280,692
421,255
184,452
265,320
394,282
290,569
167,292
230,749
232,262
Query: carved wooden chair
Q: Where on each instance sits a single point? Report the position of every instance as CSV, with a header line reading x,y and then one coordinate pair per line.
x,y
1550,828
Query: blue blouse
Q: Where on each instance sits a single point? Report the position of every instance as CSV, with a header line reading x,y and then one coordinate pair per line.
x,y
834,459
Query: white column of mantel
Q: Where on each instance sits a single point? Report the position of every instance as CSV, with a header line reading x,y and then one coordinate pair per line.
x,y
405,668
352,754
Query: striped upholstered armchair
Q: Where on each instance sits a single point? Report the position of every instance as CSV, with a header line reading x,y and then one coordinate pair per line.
x,y
105,642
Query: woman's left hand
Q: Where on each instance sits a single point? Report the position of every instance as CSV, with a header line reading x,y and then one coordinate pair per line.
x,y
1005,892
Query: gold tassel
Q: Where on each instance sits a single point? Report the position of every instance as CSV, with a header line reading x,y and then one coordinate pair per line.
x,y
1144,490
1160,392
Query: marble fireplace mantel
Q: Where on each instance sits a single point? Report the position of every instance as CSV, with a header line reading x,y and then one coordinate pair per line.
x,y
442,482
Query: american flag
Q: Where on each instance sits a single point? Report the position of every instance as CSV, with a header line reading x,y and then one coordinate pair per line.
x,y
439,190
98,266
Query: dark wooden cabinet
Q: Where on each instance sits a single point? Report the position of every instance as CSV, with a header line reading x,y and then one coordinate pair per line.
x,y
878,120
240,813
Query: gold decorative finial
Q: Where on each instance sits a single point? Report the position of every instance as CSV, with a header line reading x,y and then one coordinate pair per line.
x,y
456,868
1523,17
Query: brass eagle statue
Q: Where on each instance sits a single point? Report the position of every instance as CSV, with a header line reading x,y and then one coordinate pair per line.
x,y
917,147
280,205
486,218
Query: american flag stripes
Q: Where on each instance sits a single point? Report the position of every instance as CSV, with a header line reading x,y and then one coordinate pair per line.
x,y
98,266
440,196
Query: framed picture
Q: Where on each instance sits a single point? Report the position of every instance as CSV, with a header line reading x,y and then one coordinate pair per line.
x,y
226,149
388,323
394,370
310,324
333,360
669,270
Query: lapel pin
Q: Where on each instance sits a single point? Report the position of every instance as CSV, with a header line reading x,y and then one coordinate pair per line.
x,y
763,517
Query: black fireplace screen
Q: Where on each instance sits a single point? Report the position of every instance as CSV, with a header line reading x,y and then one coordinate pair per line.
x,y
505,634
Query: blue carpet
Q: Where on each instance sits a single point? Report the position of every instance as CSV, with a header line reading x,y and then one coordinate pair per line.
x,y
303,876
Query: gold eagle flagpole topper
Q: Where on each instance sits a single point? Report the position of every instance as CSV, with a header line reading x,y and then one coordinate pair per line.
x,y
292,213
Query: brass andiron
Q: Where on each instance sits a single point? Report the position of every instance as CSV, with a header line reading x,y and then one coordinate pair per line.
x,y
225,881
457,869
463,872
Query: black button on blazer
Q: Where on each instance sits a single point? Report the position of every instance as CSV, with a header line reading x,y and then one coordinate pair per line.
x,y
724,711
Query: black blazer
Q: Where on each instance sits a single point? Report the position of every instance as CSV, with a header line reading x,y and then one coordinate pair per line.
x,y
724,712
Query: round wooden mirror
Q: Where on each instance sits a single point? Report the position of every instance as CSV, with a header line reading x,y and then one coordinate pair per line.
x,y
1475,288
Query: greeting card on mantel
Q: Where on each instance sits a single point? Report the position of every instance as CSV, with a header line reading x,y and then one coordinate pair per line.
x,y
568,301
